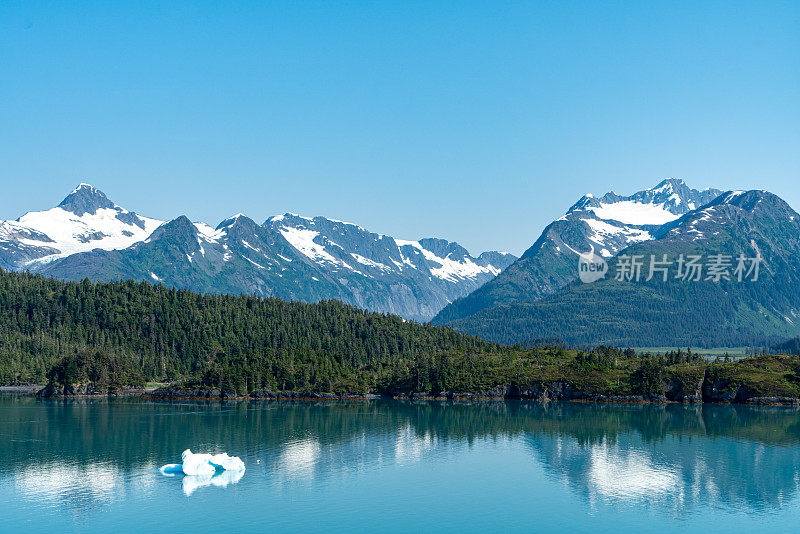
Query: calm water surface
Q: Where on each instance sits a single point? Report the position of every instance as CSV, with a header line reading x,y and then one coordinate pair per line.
x,y
92,466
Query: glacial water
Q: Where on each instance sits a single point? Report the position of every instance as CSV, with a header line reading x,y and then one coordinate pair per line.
x,y
92,466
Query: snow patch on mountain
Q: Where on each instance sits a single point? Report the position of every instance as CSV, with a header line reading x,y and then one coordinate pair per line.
x,y
664,203
208,233
632,212
303,241
448,268
607,235
366,261
453,270
347,245
254,263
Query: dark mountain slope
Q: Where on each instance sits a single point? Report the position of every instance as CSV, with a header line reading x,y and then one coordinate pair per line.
x,y
606,225
677,312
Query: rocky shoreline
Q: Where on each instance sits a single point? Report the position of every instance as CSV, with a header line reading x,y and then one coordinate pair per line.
x,y
706,392
28,389
88,390
765,381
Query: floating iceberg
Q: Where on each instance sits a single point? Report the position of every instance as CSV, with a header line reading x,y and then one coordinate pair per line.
x,y
205,470
203,464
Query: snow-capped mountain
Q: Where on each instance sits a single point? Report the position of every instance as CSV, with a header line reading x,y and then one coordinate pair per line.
x,y
347,246
85,220
603,225
615,222
288,256
664,203
716,308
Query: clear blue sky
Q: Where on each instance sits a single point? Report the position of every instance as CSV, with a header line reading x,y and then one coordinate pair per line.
x,y
477,122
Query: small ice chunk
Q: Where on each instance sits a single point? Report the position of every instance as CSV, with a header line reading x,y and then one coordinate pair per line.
x,y
203,464
228,463
171,470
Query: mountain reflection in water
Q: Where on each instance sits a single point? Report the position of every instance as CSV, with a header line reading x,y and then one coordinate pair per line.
x,y
79,457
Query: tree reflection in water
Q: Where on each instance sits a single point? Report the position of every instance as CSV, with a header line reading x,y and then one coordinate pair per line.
x,y
86,453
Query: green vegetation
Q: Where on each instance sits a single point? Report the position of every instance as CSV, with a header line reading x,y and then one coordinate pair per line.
x,y
120,334
760,376
105,372
242,343
647,314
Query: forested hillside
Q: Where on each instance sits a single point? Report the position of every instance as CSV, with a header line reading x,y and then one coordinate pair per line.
x,y
170,333
105,336
791,346
123,333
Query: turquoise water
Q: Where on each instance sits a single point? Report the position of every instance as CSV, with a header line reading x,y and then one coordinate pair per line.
x,y
92,466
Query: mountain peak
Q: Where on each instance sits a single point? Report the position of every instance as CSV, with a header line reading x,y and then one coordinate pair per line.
x,y
586,201
84,185
665,202
86,199
287,216
182,222
239,219
669,184
180,229
230,220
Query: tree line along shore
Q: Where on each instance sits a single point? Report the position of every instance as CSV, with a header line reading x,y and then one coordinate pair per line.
x,y
106,338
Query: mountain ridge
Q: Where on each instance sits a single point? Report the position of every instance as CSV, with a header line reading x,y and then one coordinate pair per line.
x,y
290,256
677,312
606,224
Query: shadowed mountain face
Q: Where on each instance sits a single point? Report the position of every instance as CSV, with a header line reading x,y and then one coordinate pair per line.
x,y
86,199
289,256
682,306
603,225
